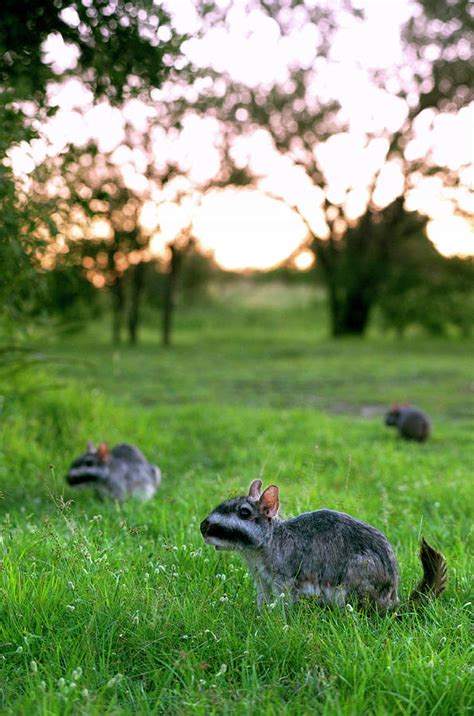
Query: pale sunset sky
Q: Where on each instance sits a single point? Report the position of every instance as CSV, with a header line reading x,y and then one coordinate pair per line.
x,y
248,229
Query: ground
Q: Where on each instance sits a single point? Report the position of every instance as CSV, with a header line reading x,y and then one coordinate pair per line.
x,y
123,609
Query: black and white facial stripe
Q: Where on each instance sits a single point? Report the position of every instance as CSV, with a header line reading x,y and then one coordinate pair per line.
x,y
85,472
232,525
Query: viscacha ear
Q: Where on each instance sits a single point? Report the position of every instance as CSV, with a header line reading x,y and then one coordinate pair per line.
x,y
91,447
269,502
254,489
103,452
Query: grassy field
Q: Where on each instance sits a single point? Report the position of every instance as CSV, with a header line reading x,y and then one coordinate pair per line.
x,y
108,609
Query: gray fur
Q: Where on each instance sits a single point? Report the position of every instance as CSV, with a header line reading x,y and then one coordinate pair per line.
x,y
324,554
411,422
118,474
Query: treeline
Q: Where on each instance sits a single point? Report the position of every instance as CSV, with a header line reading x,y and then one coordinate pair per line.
x,y
72,230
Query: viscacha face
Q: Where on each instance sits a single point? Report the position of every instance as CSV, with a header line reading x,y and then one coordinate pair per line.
x,y
242,522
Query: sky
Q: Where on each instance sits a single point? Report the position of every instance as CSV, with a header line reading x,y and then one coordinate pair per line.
x,y
248,229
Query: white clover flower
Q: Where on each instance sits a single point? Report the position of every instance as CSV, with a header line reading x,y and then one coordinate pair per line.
x,y
146,576
71,607
85,693
114,681
71,586
61,683
43,685
224,598
33,666
77,673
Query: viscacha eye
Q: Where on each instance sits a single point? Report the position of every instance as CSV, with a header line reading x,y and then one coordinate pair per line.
x,y
245,512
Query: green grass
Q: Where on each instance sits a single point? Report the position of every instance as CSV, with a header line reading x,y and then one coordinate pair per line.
x,y
116,610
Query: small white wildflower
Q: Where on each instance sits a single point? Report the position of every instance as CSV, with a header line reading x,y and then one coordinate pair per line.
x,y
19,650
72,685
222,670
202,682
114,681
85,693
97,518
349,608
185,636
146,576
224,598
77,673
43,685
71,607
221,576
33,666
71,585
61,683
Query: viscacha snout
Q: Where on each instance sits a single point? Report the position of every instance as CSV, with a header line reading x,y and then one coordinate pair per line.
x,y
204,526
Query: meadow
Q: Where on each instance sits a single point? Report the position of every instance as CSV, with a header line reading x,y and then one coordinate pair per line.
x,y
122,609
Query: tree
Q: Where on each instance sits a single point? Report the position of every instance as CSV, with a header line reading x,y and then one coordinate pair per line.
x,y
118,51
354,251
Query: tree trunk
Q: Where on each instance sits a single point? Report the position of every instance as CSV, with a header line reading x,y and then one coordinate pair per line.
x,y
118,309
352,317
138,284
170,291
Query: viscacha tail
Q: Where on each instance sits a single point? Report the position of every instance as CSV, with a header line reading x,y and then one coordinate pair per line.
x,y
435,575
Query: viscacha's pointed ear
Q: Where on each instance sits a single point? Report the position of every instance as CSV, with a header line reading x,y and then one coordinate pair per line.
x,y
91,447
269,502
103,452
254,489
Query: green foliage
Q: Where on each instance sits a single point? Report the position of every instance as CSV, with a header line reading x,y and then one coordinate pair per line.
x,y
123,50
444,33
109,609
427,290
70,296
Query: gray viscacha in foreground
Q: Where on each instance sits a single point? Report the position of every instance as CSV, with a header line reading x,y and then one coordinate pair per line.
x,y
411,422
118,473
327,555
